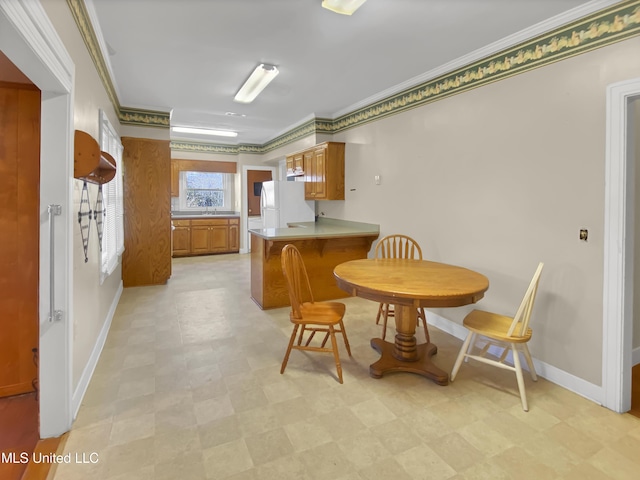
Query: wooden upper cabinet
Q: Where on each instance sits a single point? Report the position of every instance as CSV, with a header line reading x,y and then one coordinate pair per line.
x,y
324,171
309,175
295,163
175,179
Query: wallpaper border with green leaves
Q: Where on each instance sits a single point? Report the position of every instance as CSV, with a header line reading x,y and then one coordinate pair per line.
x,y
613,24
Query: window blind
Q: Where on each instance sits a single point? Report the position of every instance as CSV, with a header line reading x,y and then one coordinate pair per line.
x,y
113,199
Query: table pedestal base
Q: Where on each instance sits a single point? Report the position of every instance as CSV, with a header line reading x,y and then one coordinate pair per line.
x,y
422,365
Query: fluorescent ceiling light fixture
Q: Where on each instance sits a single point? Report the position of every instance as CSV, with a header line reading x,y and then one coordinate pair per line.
x,y
345,7
205,131
260,78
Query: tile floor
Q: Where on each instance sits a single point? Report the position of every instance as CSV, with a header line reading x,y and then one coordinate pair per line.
x,y
188,387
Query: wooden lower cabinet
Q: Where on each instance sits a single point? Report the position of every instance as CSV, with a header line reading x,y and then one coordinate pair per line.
x,y
206,236
234,236
181,237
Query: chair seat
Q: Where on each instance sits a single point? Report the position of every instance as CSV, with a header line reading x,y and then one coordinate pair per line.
x,y
320,313
494,326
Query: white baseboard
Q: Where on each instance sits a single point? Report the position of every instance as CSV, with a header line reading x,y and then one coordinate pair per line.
x,y
635,356
549,372
87,373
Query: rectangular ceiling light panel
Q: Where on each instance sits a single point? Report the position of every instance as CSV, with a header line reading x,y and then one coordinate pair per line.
x,y
345,7
205,131
260,78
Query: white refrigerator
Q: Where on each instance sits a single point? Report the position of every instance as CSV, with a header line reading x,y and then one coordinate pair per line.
x,y
283,202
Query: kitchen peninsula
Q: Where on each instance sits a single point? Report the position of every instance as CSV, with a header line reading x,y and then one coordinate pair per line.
x,y
323,245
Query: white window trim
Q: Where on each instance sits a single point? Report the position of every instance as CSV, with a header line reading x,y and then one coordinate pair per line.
x,y
113,202
227,186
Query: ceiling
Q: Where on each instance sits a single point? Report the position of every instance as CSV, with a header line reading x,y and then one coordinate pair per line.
x,y
191,56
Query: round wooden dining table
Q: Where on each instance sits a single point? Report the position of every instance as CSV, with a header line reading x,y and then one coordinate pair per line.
x,y
409,284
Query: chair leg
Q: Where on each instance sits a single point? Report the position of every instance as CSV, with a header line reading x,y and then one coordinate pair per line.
x,y
336,356
380,313
461,356
384,322
471,344
519,377
527,356
286,355
344,336
301,335
421,315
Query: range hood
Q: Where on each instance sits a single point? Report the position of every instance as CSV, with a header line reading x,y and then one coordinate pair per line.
x,y
297,172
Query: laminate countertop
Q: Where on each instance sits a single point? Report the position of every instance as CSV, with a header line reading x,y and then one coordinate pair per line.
x,y
197,215
322,228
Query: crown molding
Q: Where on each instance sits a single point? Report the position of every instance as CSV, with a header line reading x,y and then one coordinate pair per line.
x,y
143,118
517,38
81,17
92,17
603,28
580,30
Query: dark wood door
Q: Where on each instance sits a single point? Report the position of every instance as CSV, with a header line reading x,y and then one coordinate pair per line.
x,y
254,178
19,236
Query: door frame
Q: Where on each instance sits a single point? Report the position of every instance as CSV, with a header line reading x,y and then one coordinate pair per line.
x,y
618,248
30,41
244,243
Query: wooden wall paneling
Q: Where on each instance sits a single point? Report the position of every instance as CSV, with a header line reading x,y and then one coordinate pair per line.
x,y
147,212
320,255
205,166
19,235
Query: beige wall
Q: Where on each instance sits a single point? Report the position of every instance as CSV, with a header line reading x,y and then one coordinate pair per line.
x,y
497,179
91,301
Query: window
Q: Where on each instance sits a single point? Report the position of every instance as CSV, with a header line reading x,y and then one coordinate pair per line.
x,y
113,202
206,190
